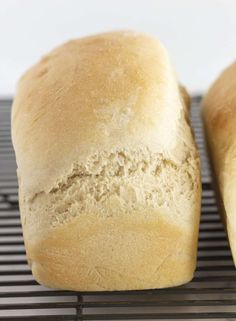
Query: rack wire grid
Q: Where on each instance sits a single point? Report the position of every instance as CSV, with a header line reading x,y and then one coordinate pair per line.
x,y
210,295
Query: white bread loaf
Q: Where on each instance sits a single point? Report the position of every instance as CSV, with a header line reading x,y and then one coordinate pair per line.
x,y
219,116
108,170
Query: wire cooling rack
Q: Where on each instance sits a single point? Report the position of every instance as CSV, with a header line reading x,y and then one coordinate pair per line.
x,y
210,296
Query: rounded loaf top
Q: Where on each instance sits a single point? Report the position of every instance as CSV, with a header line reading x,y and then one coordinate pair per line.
x,y
219,103
104,92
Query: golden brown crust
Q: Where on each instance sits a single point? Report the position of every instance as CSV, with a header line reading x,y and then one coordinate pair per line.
x,y
185,96
219,107
108,169
162,253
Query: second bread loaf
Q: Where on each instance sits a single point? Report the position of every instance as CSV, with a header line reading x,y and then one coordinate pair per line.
x,y
219,116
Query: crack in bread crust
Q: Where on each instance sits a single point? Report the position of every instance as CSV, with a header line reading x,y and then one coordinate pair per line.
x,y
120,181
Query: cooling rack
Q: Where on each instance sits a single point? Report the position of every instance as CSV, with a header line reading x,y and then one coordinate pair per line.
x,y
210,296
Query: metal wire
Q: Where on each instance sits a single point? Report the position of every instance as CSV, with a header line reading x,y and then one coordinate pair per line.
x,y
210,296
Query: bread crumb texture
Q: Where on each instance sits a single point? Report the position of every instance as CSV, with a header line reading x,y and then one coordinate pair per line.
x,y
124,181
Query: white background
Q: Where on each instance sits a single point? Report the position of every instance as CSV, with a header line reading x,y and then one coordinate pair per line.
x,y
200,35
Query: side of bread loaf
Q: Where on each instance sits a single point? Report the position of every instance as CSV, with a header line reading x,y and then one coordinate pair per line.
x,y
108,170
219,116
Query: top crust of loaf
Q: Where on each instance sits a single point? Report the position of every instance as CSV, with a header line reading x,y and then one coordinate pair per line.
x,y
220,103
109,91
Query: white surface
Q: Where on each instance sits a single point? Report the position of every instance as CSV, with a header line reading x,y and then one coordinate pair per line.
x,y
199,34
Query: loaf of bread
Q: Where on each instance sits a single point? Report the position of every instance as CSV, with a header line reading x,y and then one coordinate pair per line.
x,y
109,180
219,117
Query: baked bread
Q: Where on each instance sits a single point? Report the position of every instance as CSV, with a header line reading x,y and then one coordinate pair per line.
x,y
108,170
219,117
